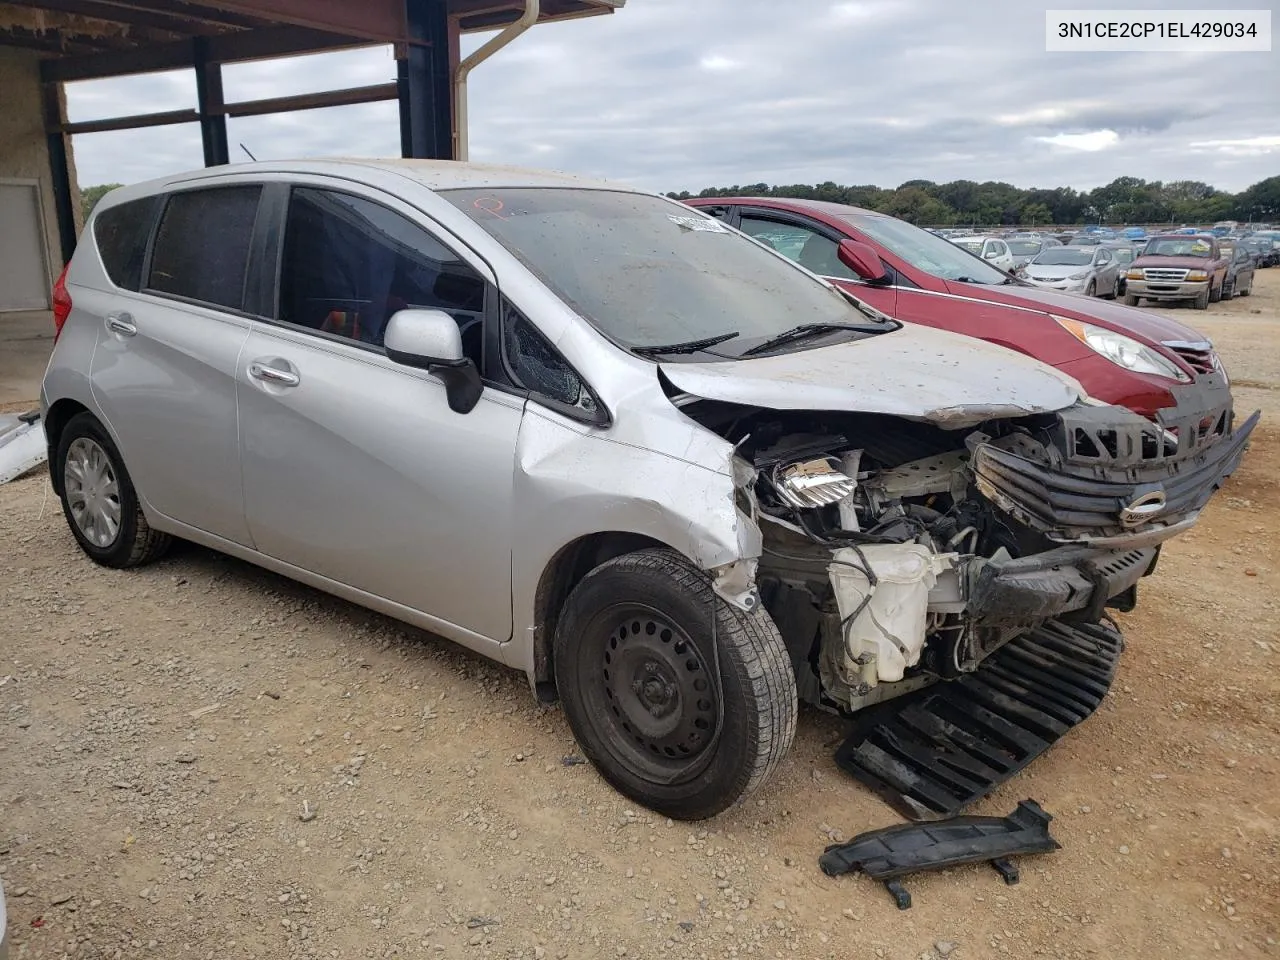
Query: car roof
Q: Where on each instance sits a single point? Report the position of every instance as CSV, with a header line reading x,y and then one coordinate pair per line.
x,y
433,174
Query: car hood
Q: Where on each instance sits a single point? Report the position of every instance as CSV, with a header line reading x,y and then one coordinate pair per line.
x,y
1188,263
917,372
1055,271
1145,325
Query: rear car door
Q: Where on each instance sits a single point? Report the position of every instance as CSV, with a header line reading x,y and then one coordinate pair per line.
x,y
355,468
163,374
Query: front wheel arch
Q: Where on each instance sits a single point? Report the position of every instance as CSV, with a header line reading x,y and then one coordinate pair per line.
x,y
563,572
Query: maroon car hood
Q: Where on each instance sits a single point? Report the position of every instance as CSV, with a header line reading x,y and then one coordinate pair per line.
x,y
1145,325
1186,263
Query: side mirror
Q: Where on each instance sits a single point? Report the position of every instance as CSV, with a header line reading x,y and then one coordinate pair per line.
x,y
430,340
991,255
862,259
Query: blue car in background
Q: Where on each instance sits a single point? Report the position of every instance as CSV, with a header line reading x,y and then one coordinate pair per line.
x,y
1135,233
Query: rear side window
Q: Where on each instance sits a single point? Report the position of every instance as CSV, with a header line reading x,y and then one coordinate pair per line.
x,y
202,246
121,235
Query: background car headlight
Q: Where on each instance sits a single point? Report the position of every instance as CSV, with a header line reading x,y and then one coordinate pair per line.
x,y
1196,276
812,483
1078,276
1123,351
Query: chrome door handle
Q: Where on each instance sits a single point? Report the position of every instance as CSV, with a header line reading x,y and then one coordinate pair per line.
x,y
122,323
268,374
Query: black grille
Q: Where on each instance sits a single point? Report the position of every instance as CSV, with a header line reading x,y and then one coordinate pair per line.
x,y
1070,502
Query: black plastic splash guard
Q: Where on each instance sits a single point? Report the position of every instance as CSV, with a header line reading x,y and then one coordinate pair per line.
x,y
930,754
891,852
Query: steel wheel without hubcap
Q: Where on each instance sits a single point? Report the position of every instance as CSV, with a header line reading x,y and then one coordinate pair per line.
x,y
651,694
93,494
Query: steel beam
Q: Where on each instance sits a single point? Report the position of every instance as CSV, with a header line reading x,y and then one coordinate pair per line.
x,y
313,101
134,122
424,74
56,141
209,104
225,48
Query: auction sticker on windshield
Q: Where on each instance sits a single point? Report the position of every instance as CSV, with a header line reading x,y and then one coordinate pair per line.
x,y
1157,31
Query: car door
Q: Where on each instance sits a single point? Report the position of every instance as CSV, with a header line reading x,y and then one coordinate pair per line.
x,y
815,247
355,468
1104,266
164,371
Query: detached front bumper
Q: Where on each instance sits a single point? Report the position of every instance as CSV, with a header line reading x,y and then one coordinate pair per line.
x,y
1158,290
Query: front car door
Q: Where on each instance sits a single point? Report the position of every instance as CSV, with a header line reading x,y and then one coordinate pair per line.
x,y
355,468
164,371
1104,265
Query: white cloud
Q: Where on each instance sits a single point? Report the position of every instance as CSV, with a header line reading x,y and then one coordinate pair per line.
x,y
1248,147
1087,142
718,64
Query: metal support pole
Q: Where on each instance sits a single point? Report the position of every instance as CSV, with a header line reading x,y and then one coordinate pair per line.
x,y
55,115
209,103
423,76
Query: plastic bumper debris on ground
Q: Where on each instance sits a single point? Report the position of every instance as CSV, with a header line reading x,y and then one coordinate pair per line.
x,y
893,852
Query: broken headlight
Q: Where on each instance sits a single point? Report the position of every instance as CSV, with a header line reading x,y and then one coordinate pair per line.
x,y
806,484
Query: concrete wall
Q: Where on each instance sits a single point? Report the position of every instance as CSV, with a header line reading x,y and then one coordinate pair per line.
x,y
23,153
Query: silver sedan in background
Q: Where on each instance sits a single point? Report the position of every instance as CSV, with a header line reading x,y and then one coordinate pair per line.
x,y
1094,271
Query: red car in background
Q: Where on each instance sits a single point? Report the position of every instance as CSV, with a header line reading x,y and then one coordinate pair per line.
x,y
1152,364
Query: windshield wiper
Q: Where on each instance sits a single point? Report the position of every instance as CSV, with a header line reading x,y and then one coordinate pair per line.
x,y
801,332
688,346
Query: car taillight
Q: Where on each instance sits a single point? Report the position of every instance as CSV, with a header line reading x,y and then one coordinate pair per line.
x,y
61,303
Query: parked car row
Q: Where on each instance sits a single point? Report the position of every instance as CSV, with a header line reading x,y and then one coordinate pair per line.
x,y
684,466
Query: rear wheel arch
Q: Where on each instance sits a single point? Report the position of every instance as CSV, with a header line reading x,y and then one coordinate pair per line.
x,y
55,421
563,572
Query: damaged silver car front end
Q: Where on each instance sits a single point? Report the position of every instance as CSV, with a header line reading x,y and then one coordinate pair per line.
x,y
899,552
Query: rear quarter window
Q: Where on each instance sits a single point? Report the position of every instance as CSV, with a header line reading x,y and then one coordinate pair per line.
x,y
202,245
121,234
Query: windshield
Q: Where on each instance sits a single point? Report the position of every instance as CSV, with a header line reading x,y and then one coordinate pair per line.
x,y
924,251
1065,256
1179,247
1123,254
1024,248
647,272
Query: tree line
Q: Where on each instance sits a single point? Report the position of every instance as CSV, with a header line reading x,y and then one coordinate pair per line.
x,y
966,202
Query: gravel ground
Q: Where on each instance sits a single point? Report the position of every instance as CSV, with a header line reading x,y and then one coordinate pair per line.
x,y
203,760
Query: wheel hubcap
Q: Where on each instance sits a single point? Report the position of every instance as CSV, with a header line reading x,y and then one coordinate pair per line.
x,y
656,694
92,491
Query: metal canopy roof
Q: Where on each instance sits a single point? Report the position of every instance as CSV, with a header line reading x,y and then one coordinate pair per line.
x,y
72,28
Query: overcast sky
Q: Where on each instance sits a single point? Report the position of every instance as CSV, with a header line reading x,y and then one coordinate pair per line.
x,y
685,94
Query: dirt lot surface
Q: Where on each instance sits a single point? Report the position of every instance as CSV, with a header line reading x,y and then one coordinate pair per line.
x,y
163,731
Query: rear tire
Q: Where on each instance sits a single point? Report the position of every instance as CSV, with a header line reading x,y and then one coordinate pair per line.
x,y
99,501
1201,301
635,655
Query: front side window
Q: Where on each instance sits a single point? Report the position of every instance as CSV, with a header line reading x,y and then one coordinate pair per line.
x,y
350,263
535,365
648,273
121,234
202,245
806,247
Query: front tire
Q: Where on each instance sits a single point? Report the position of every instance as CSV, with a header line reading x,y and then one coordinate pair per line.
x,y
99,501
1202,299
1091,289
635,659
1131,301
1215,293
1248,289
1228,290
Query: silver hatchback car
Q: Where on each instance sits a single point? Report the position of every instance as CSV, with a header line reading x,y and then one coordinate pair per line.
x,y
677,480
